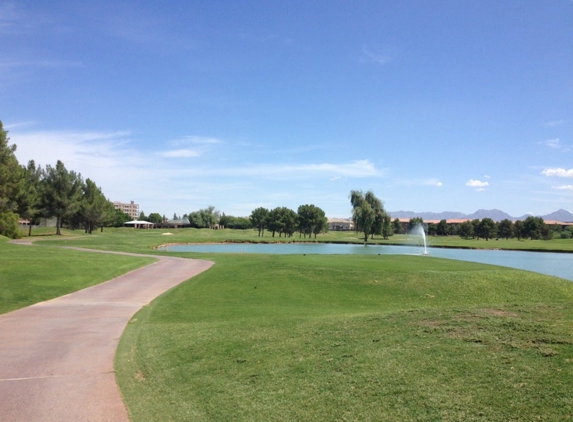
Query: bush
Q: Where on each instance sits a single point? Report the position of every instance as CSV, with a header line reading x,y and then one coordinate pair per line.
x,y
9,225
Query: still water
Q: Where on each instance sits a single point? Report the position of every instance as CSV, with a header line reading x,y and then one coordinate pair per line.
x,y
555,264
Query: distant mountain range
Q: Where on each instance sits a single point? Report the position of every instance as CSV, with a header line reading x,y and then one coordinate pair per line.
x,y
496,215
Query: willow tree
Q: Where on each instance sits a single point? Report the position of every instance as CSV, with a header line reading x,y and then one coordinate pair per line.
x,y
363,214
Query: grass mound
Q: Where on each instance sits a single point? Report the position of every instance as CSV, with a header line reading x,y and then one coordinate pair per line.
x,y
277,338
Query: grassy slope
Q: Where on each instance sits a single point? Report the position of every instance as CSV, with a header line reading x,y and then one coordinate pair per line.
x,y
30,274
277,338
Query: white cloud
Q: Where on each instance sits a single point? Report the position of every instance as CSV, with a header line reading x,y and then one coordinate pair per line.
x,y
564,187
126,169
477,184
357,169
557,172
180,153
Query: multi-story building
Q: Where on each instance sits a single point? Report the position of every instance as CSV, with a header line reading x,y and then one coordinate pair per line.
x,y
340,224
130,209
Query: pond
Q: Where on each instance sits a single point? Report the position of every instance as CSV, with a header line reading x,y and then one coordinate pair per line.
x,y
555,264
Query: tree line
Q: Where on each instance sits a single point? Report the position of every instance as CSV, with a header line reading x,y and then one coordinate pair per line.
x,y
308,220
33,193
533,228
370,218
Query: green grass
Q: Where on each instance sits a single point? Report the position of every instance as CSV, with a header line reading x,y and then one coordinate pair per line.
x,y
355,338
146,240
31,274
282,338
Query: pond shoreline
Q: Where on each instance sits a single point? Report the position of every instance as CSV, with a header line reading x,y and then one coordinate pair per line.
x,y
295,242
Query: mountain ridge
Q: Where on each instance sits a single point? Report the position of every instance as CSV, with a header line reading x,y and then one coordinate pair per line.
x,y
495,214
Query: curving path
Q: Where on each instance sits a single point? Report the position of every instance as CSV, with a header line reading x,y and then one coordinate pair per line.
x,y
56,357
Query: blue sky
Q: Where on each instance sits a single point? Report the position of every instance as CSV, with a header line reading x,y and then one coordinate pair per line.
x,y
434,105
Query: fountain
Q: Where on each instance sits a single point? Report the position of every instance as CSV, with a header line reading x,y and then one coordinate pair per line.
x,y
419,230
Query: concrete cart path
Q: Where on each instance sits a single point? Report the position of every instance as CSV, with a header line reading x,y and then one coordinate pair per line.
x,y
56,357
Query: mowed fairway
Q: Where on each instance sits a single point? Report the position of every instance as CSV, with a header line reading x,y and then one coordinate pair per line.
x,y
354,338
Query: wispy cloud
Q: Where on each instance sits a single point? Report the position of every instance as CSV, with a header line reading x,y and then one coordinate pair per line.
x,y
557,172
78,149
10,18
355,169
367,55
552,143
16,125
555,123
200,145
564,187
162,180
180,153
188,140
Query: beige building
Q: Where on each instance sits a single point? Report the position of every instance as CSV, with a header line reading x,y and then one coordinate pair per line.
x,y
130,209
340,224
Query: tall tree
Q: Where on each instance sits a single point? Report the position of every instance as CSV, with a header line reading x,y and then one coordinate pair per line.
x,y
475,223
93,206
387,226
282,220
442,228
119,218
518,230
155,218
274,223
534,228
205,217
258,219
397,226
505,229
11,186
363,214
311,220
61,192
29,202
487,228
466,229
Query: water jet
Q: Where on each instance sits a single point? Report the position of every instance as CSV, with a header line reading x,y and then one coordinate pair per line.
x,y
419,230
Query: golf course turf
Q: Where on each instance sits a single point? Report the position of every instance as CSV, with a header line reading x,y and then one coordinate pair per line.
x,y
282,338
318,337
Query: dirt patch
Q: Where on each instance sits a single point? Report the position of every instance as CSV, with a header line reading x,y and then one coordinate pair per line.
x,y
139,376
500,313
